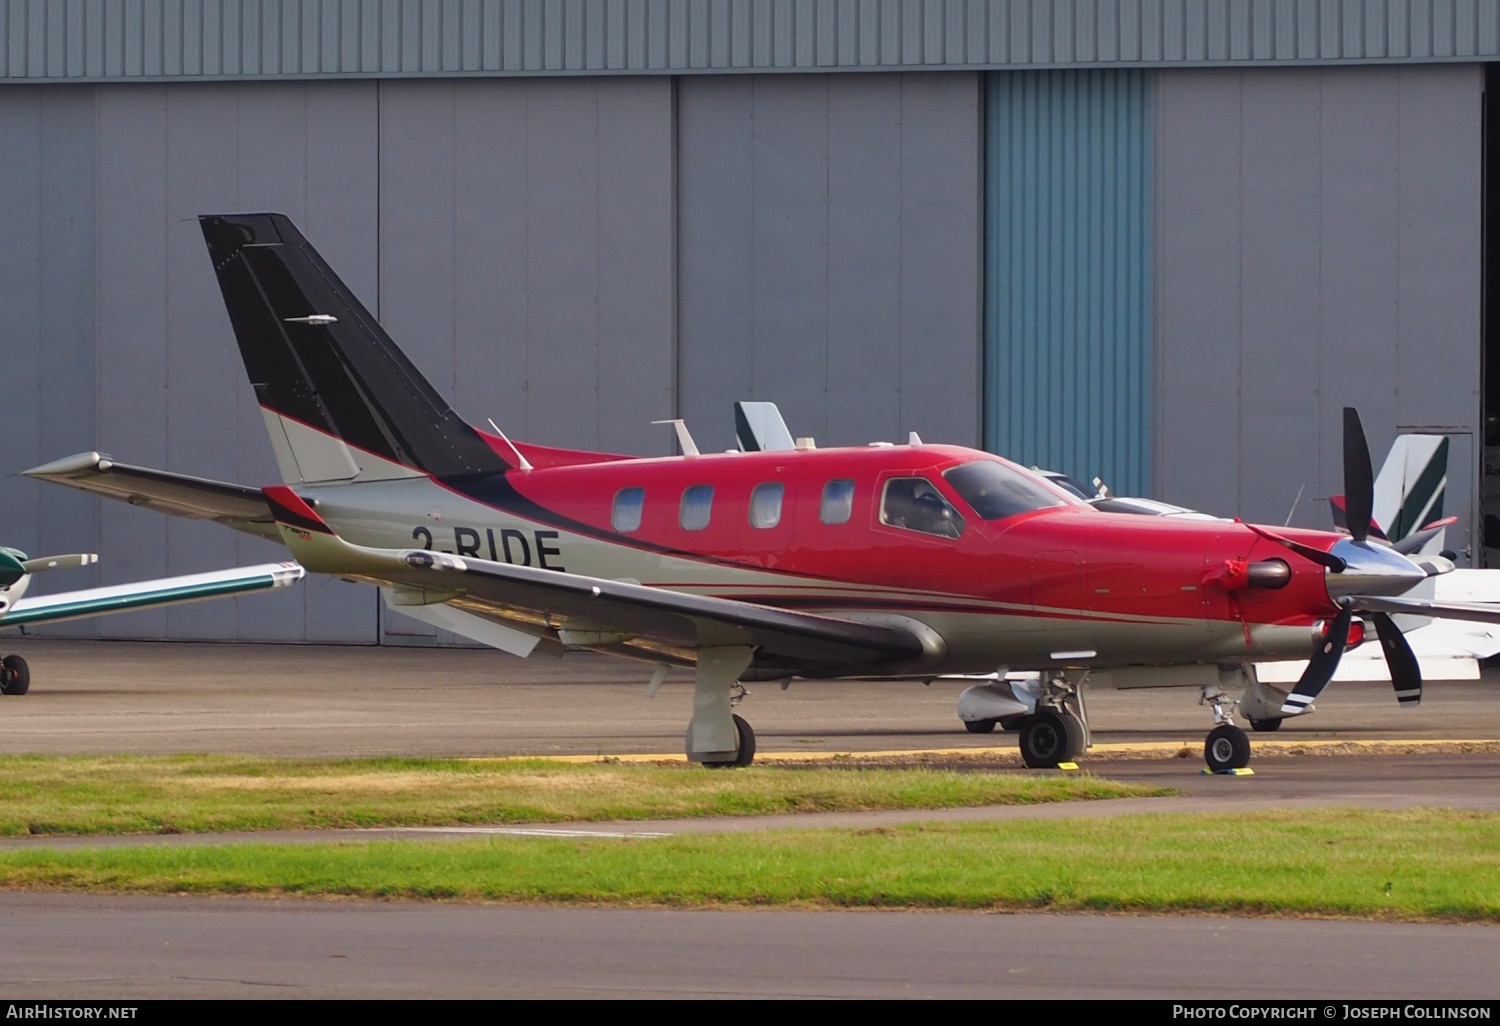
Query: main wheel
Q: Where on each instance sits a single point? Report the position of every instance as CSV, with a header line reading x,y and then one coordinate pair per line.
x,y
1011,724
1049,737
1227,748
15,675
1266,726
979,726
745,754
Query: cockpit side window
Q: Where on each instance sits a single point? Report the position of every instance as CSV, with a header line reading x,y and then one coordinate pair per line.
x,y
996,490
913,503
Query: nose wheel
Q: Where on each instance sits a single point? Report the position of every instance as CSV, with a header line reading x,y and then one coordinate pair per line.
x,y
1227,748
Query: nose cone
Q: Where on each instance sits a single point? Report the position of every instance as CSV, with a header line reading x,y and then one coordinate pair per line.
x,y
1372,570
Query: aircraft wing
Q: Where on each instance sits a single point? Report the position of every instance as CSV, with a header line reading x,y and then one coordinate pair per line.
x,y
232,505
168,591
594,610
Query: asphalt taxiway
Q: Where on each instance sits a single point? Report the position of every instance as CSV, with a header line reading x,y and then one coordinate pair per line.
x,y
114,697
68,946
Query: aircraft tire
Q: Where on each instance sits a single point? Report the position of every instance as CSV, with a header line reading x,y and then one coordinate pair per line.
x,y
979,726
1049,737
746,753
1266,726
1011,724
15,675
1227,748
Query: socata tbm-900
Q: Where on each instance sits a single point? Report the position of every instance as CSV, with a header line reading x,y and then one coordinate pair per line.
x,y
909,561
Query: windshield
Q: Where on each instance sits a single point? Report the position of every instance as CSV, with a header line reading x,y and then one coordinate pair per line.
x,y
996,490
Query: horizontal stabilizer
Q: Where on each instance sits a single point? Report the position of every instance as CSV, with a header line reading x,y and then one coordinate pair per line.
x,y
232,505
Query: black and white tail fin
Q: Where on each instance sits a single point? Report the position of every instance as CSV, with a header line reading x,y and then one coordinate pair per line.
x,y
1408,495
341,401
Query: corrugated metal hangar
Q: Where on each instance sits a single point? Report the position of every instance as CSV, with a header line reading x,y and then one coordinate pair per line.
x,y
1160,241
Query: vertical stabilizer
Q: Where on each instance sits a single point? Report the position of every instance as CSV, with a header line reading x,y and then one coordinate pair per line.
x,y
341,401
1410,488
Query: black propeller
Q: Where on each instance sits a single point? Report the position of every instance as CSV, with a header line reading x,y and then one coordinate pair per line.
x,y
1321,667
1359,478
1361,560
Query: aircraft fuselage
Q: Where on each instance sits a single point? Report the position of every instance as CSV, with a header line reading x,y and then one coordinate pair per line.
x,y
1037,589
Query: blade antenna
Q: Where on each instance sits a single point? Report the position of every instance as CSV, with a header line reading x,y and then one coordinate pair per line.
x,y
521,461
1291,512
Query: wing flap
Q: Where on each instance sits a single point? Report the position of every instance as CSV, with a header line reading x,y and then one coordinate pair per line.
x,y
244,509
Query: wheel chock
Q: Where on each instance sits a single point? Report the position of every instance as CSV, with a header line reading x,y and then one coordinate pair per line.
x,y
1243,771
1068,766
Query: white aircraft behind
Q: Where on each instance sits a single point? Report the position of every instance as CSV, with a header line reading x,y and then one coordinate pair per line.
x,y
17,611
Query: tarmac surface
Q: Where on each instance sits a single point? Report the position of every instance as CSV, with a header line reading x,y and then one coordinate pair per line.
x,y
111,697
102,698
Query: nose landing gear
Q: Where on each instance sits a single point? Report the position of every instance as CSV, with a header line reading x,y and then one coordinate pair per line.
x,y
1228,746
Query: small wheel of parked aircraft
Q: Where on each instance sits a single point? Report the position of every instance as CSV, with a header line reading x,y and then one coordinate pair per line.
x,y
1011,724
15,675
746,752
979,726
1266,726
1049,737
1227,748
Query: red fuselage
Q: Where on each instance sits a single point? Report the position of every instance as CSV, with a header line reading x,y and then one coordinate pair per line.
x,y
1032,589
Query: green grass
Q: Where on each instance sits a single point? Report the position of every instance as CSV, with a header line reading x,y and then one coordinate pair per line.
x,y
1416,865
192,794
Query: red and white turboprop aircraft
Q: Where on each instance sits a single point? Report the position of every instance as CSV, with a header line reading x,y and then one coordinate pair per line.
x,y
910,561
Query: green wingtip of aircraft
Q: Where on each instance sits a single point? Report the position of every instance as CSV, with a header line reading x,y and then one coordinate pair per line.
x,y
16,610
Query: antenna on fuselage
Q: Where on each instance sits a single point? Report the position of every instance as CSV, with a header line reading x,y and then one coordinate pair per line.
x,y
684,439
521,461
1289,513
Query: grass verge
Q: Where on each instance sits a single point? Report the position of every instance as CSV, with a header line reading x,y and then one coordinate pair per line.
x,y
1415,865
193,794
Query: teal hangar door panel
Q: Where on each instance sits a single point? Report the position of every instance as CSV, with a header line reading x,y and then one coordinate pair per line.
x,y
1067,340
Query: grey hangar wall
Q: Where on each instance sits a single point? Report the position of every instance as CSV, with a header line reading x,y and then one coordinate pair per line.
x,y
578,256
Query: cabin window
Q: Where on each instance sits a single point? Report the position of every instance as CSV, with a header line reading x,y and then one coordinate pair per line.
x,y
697,504
838,501
913,503
997,490
765,505
627,513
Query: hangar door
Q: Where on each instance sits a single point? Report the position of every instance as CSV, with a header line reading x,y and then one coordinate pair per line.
x,y
1068,273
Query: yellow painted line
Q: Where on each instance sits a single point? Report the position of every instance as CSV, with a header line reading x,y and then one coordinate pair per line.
x,y
1166,748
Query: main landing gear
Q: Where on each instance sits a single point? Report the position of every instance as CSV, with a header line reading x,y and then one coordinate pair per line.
x,y
716,736
1049,717
15,676
1058,731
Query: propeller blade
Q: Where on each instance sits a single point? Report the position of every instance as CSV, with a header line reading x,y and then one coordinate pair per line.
x,y
1359,478
1321,667
1406,675
1318,556
1414,541
72,559
1423,607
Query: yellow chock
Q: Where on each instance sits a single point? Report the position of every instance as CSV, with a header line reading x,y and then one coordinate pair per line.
x,y
1243,771
1067,765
